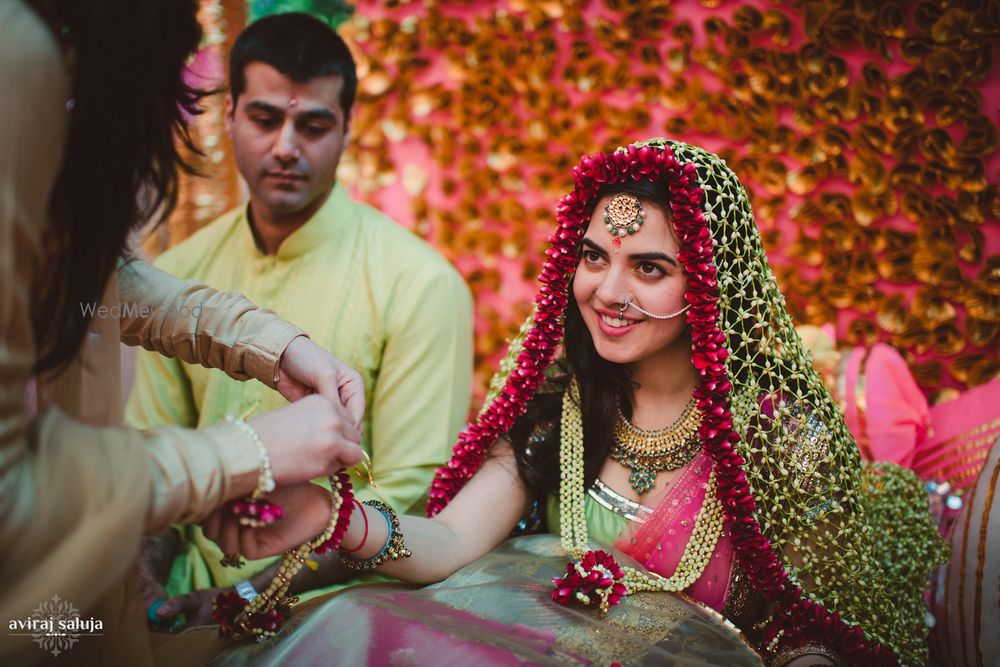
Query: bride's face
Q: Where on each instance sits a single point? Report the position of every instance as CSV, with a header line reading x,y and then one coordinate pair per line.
x,y
645,269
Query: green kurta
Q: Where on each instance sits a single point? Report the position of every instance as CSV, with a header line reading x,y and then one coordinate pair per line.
x,y
372,293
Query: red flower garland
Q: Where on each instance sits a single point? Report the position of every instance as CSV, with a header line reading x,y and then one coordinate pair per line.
x,y
344,515
797,619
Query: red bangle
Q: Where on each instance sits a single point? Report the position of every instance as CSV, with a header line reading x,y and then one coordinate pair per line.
x,y
364,538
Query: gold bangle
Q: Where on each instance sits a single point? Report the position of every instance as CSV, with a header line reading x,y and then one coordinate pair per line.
x,y
394,548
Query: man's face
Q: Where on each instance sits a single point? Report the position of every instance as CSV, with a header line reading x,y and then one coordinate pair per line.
x,y
287,140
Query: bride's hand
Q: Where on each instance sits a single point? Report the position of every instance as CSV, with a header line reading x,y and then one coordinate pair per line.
x,y
307,514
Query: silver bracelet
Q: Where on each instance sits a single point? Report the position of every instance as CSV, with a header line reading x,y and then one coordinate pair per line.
x,y
246,590
265,478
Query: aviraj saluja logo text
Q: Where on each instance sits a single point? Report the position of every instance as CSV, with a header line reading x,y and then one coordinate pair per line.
x,y
55,625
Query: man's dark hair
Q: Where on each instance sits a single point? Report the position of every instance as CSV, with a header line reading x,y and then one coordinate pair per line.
x,y
299,46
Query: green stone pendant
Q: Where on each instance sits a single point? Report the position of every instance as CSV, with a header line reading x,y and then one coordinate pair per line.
x,y
642,480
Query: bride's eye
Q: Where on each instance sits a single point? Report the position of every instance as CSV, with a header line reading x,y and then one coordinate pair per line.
x,y
650,270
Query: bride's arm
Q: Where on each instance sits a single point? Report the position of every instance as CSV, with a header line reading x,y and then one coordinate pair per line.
x,y
480,517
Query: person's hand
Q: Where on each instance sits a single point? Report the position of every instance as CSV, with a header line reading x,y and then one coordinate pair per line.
x,y
196,607
153,565
306,368
150,590
312,437
307,514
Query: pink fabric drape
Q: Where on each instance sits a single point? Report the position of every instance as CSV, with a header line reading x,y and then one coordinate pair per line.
x,y
883,407
964,430
659,542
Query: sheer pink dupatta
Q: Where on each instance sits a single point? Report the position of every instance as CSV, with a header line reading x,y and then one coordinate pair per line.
x,y
659,542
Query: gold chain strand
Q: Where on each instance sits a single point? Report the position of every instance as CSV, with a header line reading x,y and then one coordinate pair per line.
x,y
662,441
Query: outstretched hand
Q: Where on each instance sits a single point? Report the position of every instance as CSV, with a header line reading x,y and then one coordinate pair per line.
x,y
307,514
306,368
196,607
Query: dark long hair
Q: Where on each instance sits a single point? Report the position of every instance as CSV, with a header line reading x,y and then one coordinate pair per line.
x,y
120,167
604,386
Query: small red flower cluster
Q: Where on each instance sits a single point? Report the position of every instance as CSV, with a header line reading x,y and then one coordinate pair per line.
x,y
596,578
269,622
256,513
796,617
226,608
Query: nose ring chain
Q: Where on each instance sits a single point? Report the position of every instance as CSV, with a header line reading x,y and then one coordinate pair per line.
x,y
628,304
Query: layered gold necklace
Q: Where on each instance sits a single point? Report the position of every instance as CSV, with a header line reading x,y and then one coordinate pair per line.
x,y
647,453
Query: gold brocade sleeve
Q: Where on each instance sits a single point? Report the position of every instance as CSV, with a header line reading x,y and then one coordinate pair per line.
x,y
200,325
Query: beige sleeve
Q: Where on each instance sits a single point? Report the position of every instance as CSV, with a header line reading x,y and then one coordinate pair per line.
x,y
200,325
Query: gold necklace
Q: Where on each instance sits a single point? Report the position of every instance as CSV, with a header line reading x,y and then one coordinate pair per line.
x,y
647,453
573,534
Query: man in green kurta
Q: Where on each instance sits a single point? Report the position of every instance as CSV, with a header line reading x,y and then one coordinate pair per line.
x,y
361,285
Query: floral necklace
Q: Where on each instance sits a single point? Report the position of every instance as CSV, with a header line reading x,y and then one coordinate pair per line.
x,y
597,577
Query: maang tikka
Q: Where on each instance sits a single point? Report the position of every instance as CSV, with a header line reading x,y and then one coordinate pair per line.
x,y
623,215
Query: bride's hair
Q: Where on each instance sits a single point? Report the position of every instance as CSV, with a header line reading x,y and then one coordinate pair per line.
x,y
604,386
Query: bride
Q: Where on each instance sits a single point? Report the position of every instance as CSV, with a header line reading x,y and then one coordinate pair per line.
x,y
658,403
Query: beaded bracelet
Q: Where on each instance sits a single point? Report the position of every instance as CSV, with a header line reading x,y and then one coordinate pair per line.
x,y
265,477
264,614
255,511
394,548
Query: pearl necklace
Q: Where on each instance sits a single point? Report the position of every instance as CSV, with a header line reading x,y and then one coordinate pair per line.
x,y
573,522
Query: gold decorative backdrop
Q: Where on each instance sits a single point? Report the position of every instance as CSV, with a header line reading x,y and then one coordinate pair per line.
x,y
865,130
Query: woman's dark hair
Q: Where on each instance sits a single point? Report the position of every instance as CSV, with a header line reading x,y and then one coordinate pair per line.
x,y
120,166
604,386
299,46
